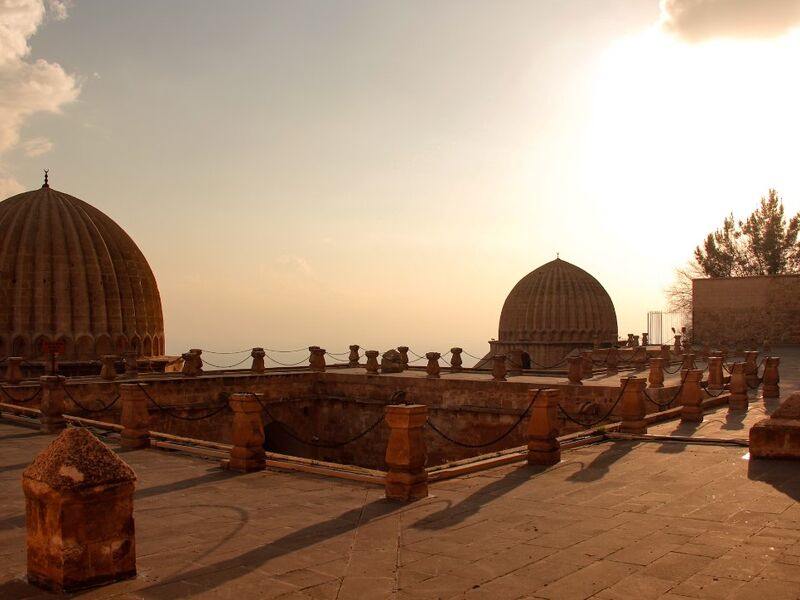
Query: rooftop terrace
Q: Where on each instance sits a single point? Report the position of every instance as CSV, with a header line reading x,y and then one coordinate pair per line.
x,y
663,519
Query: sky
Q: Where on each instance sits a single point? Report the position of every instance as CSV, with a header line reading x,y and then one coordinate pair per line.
x,y
382,173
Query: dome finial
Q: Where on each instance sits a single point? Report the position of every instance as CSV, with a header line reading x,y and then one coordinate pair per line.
x,y
45,184
558,255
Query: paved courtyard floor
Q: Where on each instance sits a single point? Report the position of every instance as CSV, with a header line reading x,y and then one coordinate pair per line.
x,y
615,520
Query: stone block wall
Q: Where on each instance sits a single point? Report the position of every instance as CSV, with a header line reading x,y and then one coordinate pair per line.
x,y
747,309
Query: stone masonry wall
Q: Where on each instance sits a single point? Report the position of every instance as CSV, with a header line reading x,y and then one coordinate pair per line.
x,y
747,309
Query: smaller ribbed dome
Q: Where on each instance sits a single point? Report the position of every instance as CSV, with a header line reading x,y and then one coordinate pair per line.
x,y
558,302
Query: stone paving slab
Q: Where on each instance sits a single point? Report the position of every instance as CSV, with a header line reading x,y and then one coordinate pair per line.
x,y
611,521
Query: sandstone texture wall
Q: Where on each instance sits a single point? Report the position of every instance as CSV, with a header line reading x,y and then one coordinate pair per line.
x,y
747,309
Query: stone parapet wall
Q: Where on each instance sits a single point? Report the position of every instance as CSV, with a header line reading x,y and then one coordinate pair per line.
x,y
747,309
336,406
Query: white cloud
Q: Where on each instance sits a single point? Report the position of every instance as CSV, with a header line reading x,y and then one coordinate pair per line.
x,y
698,20
28,87
37,146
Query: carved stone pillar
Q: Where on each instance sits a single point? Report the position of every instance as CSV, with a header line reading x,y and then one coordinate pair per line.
x,y
316,360
751,368
574,369
258,356
79,514
14,369
691,395
131,363
687,363
715,378
514,362
632,407
406,455
543,445
247,434
656,376
499,367
403,350
738,388
135,418
372,362
587,364
771,377
612,361
51,418
433,368
353,357
108,370
455,360
645,340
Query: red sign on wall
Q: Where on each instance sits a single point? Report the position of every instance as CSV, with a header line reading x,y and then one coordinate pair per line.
x,y
54,347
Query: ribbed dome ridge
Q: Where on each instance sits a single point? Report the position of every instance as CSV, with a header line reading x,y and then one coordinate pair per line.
x,y
68,272
558,302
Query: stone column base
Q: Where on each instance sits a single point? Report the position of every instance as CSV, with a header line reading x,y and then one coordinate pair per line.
x,y
408,487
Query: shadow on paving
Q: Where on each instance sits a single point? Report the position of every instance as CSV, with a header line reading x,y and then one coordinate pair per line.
x,y
453,514
783,475
17,436
183,484
16,467
231,569
598,468
734,420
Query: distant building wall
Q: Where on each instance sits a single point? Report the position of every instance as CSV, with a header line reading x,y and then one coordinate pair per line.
x,y
747,309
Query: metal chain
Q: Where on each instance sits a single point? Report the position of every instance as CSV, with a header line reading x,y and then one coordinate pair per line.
x,y
494,441
300,362
168,409
237,352
205,362
86,409
315,443
662,406
597,422
23,401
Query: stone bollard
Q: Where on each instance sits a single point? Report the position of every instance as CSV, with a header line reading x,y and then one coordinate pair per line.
x,y
691,395
738,388
666,353
134,418
433,368
391,362
499,367
771,388
316,359
247,434
629,343
715,378
189,365
632,408
51,418
645,340
587,365
639,359
455,360
636,341
197,358
108,370
372,362
14,369
656,376
353,357
612,361
751,368
258,356
79,514
574,369
403,350
543,445
687,362
406,477
131,363
677,348
514,362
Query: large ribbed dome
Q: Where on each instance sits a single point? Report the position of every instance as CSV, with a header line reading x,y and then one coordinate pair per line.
x,y
558,302
68,272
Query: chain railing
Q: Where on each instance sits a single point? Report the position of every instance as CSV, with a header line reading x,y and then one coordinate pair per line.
x,y
103,408
601,419
499,438
169,410
21,400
